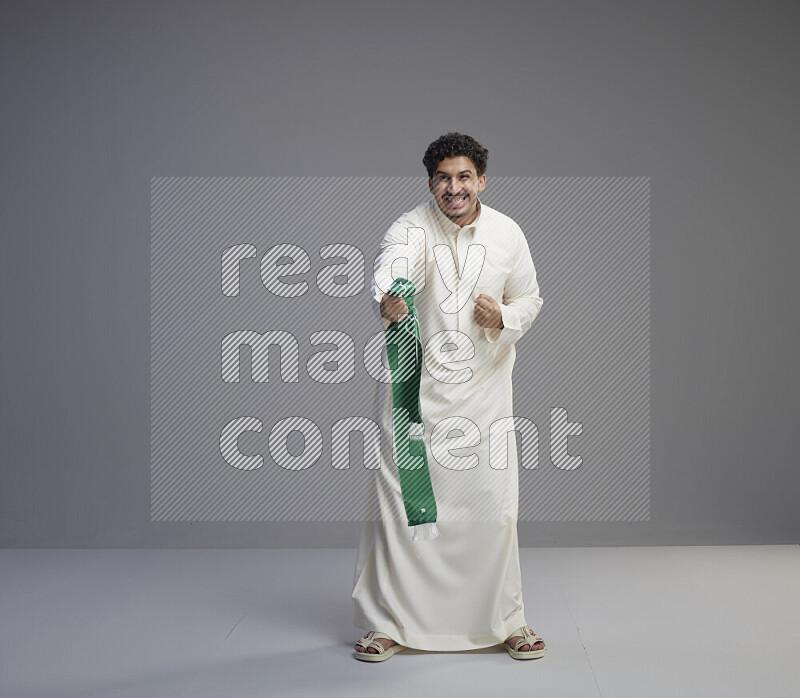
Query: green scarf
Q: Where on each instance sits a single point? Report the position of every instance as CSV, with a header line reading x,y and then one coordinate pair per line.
x,y
404,350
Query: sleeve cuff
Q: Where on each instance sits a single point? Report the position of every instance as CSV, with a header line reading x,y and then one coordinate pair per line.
x,y
512,328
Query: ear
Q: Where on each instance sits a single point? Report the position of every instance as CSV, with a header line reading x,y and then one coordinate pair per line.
x,y
482,182
430,184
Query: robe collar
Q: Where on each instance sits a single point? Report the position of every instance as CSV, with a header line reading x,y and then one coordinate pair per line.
x,y
447,225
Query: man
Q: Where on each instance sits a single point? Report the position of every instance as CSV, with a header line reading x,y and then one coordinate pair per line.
x,y
476,296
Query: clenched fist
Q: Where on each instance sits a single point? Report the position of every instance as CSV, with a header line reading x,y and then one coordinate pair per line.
x,y
393,308
487,312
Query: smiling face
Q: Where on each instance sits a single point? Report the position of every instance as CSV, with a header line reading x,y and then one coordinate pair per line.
x,y
455,185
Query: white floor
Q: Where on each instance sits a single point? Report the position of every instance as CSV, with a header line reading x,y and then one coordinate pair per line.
x,y
618,622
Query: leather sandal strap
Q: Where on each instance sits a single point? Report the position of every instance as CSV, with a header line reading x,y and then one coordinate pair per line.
x,y
384,636
370,640
530,632
527,637
365,641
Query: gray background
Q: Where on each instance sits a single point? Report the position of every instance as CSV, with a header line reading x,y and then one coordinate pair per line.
x,y
97,98
589,353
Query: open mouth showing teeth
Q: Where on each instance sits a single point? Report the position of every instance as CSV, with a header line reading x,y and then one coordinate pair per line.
x,y
455,201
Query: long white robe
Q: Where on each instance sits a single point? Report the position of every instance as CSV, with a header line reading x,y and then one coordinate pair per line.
x,y
462,590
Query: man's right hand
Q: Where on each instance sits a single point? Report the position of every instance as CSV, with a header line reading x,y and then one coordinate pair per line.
x,y
393,308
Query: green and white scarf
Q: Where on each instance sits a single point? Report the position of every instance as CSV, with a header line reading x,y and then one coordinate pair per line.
x,y
404,350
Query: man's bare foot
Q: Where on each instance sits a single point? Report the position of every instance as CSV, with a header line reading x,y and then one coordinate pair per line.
x,y
526,647
386,645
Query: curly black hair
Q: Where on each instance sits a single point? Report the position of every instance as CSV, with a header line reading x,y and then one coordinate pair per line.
x,y
452,145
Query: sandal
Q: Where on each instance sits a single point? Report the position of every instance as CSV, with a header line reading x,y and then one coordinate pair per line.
x,y
528,637
371,640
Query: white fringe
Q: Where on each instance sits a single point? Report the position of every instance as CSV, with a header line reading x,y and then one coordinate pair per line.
x,y
426,531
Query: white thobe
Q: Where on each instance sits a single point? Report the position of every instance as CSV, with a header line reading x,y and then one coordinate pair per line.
x,y
462,590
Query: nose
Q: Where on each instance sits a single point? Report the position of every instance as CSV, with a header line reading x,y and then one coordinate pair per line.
x,y
453,187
